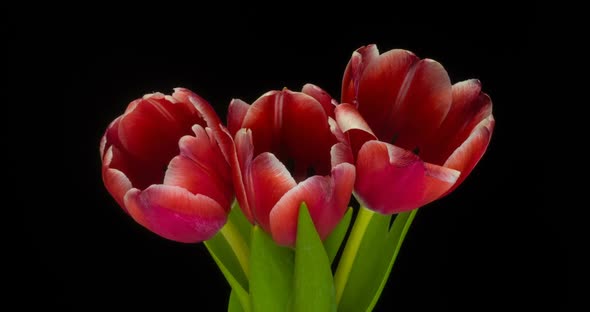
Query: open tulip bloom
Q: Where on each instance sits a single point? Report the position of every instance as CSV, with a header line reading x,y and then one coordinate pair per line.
x,y
402,137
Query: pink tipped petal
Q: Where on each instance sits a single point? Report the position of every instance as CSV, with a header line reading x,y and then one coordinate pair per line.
x,y
389,179
470,106
354,126
197,178
276,118
466,156
380,86
336,131
115,181
321,96
422,104
175,213
438,181
240,162
326,198
341,153
235,115
270,180
150,132
360,59
204,109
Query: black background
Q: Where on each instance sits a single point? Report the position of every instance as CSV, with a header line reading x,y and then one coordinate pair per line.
x,y
492,243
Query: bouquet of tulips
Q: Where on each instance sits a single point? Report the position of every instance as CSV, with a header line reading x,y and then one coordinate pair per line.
x,y
268,192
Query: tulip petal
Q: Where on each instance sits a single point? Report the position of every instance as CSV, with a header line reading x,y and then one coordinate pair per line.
x,y
175,213
205,150
356,128
328,103
326,198
389,179
341,153
466,156
150,131
235,115
270,180
380,86
360,59
470,106
203,108
115,181
439,180
276,118
422,105
240,162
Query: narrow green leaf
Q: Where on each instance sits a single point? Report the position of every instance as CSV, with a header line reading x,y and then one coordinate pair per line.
x,y
236,286
314,285
333,242
231,254
368,258
396,236
238,218
271,273
234,303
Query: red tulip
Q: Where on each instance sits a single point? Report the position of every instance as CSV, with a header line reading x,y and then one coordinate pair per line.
x,y
415,136
162,163
287,152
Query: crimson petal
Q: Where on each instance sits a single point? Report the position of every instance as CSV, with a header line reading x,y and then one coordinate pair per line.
x,y
175,213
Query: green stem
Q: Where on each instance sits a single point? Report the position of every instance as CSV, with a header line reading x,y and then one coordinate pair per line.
x,y
238,245
350,250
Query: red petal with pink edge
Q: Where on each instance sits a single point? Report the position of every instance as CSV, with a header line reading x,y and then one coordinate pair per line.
x,y
328,103
115,181
150,132
326,198
466,156
269,180
359,60
198,178
470,106
341,153
204,151
240,162
423,102
235,115
439,180
276,123
354,126
389,179
379,88
204,109
175,213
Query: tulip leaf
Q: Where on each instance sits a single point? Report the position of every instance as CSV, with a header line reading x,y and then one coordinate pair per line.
x,y
271,273
239,219
234,304
313,282
231,254
333,242
368,258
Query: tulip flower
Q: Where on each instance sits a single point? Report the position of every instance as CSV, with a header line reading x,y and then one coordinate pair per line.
x,y
415,137
287,152
162,163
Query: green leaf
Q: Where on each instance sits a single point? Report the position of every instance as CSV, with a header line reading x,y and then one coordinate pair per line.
x,y
314,285
238,218
368,257
333,242
271,273
231,254
234,303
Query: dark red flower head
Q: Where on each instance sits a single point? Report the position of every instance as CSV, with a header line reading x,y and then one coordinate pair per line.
x,y
162,163
415,137
287,152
